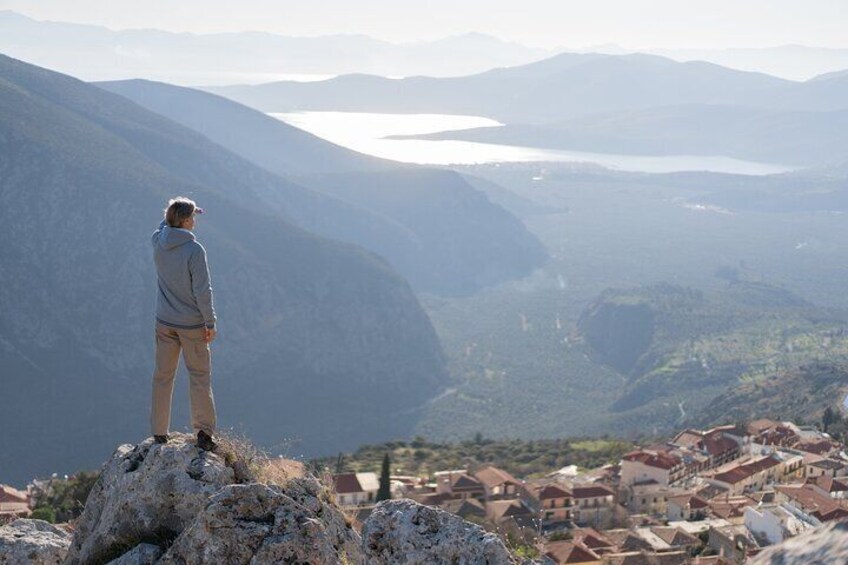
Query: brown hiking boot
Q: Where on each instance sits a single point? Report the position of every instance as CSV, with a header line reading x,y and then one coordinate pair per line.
x,y
205,442
160,439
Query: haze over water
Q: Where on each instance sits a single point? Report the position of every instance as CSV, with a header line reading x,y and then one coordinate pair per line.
x,y
368,133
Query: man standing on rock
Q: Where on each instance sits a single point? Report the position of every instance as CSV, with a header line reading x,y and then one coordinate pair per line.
x,y
185,320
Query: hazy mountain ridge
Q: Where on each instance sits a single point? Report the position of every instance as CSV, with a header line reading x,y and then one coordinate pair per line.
x,y
98,53
450,238
105,54
627,104
312,330
561,87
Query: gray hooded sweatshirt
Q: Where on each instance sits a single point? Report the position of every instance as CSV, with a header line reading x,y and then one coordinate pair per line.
x,y
184,299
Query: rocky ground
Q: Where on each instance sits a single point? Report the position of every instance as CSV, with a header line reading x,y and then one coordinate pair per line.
x,y
173,503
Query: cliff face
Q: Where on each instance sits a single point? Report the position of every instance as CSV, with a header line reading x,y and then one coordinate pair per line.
x,y
313,332
174,504
619,333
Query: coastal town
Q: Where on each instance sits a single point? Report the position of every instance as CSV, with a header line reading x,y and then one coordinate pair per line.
x,y
716,496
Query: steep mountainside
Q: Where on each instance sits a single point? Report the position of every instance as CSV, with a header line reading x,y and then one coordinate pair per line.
x,y
313,333
800,394
268,142
450,238
672,342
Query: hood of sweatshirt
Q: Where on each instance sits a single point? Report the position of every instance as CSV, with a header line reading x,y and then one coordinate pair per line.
x,y
169,238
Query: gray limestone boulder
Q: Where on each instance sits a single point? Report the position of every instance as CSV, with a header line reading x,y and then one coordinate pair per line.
x,y
261,524
823,546
405,532
33,542
147,493
142,554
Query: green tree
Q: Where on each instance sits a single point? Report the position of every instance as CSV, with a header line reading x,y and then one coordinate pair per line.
x,y
385,490
44,513
828,418
65,498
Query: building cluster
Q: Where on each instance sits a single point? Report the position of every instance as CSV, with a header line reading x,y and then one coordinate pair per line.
x,y
715,496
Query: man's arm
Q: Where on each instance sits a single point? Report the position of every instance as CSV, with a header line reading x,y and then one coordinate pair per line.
x,y
201,286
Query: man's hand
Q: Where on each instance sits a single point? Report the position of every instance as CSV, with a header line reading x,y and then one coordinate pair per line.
x,y
210,335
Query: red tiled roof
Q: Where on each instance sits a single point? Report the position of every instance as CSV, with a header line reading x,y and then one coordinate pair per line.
x,y
745,470
591,491
592,539
830,484
658,459
835,513
674,537
492,477
814,501
712,441
548,492
694,501
563,552
819,447
464,508
347,483
718,443
507,508
730,507
465,481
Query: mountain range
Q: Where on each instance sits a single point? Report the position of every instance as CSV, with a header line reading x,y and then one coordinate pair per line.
x,y
625,104
99,53
561,87
314,333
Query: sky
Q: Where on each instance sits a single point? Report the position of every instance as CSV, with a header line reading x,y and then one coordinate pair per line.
x,y
645,24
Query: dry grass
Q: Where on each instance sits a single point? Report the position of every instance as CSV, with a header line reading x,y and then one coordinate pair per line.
x,y
253,465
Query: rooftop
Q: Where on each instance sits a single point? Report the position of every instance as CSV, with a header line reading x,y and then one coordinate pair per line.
x,y
658,459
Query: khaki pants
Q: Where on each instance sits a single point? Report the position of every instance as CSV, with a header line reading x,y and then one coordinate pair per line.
x,y
198,361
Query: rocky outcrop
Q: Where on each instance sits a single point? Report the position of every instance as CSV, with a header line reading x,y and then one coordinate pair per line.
x,y
147,493
825,545
404,532
259,523
33,542
173,504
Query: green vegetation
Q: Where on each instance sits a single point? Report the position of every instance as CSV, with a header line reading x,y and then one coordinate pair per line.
x,y
62,500
385,491
638,360
739,304
523,458
805,394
